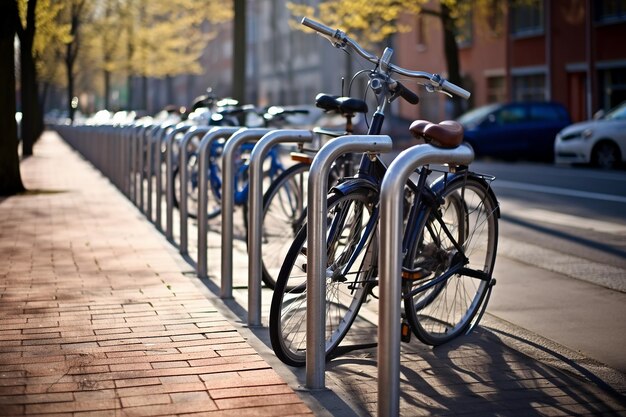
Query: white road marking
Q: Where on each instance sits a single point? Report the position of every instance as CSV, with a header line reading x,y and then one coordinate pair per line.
x,y
559,191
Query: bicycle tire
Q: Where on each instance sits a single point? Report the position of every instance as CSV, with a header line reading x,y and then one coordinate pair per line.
x,y
284,213
457,292
348,216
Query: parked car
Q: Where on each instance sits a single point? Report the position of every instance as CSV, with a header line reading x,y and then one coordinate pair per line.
x,y
518,130
600,142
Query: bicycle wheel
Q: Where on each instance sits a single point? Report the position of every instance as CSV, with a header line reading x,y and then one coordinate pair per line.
x,y
283,215
350,271
442,303
214,205
192,187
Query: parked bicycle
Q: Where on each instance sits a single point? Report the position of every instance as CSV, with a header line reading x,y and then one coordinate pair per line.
x,y
449,244
272,116
284,202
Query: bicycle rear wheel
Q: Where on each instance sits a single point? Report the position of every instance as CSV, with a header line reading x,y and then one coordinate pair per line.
x,y
350,271
445,301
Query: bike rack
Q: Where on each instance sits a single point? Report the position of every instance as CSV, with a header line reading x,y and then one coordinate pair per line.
x,y
316,244
255,213
158,162
203,191
228,202
137,153
141,143
169,179
150,149
390,262
184,174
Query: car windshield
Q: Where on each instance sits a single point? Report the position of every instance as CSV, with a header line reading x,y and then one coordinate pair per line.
x,y
474,117
618,113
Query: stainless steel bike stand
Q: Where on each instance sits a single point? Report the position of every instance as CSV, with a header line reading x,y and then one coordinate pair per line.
x,y
228,202
169,179
203,191
183,158
255,213
390,262
316,246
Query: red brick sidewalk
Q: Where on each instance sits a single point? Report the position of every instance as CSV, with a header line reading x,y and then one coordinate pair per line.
x,y
96,317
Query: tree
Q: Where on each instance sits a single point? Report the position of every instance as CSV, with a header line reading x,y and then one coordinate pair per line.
x,y
32,119
74,15
10,177
372,22
166,38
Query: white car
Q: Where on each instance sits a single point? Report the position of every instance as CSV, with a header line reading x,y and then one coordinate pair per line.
x,y
600,142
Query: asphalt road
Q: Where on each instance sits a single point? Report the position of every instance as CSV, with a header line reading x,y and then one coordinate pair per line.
x,y
561,267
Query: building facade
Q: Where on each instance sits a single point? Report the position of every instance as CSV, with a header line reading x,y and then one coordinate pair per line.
x,y
568,51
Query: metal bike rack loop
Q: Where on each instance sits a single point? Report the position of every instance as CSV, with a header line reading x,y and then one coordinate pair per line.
x,y
228,202
137,154
204,151
169,179
183,158
143,163
150,149
316,244
159,138
255,213
390,261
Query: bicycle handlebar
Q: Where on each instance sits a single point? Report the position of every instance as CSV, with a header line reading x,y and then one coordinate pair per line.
x,y
340,39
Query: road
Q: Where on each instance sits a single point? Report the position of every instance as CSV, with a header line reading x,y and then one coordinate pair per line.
x,y
561,268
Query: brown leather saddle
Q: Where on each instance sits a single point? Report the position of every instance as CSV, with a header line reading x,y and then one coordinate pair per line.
x,y
446,134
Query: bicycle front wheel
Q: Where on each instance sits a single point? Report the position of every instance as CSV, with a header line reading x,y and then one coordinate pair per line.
x,y
284,211
350,273
452,262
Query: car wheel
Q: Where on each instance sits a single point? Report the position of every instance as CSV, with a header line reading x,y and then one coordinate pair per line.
x,y
605,155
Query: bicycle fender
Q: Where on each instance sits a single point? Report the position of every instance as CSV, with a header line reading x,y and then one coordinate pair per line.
x,y
351,184
438,185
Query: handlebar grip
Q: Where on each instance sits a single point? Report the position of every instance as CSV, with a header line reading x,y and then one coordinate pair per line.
x,y
406,94
455,90
319,27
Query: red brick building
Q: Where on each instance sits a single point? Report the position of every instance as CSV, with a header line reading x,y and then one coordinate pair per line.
x,y
570,51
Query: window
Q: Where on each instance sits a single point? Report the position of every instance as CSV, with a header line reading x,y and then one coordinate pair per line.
x,y
510,115
527,17
496,89
612,83
609,11
420,32
529,87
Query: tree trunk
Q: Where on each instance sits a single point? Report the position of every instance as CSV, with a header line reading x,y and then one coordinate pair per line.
x,y
10,177
451,51
131,99
239,53
32,119
144,92
69,66
107,89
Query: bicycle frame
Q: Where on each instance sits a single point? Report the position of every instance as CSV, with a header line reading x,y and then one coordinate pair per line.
x,y
241,185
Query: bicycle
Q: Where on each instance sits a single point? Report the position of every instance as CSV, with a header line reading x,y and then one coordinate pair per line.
x,y
271,116
284,202
449,244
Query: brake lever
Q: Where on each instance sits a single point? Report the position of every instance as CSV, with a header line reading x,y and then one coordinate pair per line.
x,y
432,89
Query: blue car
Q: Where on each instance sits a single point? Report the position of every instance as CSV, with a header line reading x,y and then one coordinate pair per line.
x,y
521,130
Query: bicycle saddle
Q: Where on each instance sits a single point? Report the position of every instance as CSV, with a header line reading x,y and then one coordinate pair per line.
x,y
342,105
446,134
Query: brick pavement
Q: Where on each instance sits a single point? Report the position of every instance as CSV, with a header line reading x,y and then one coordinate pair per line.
x,y
97,318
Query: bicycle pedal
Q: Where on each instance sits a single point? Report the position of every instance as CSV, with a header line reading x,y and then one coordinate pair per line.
x,y
405,332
